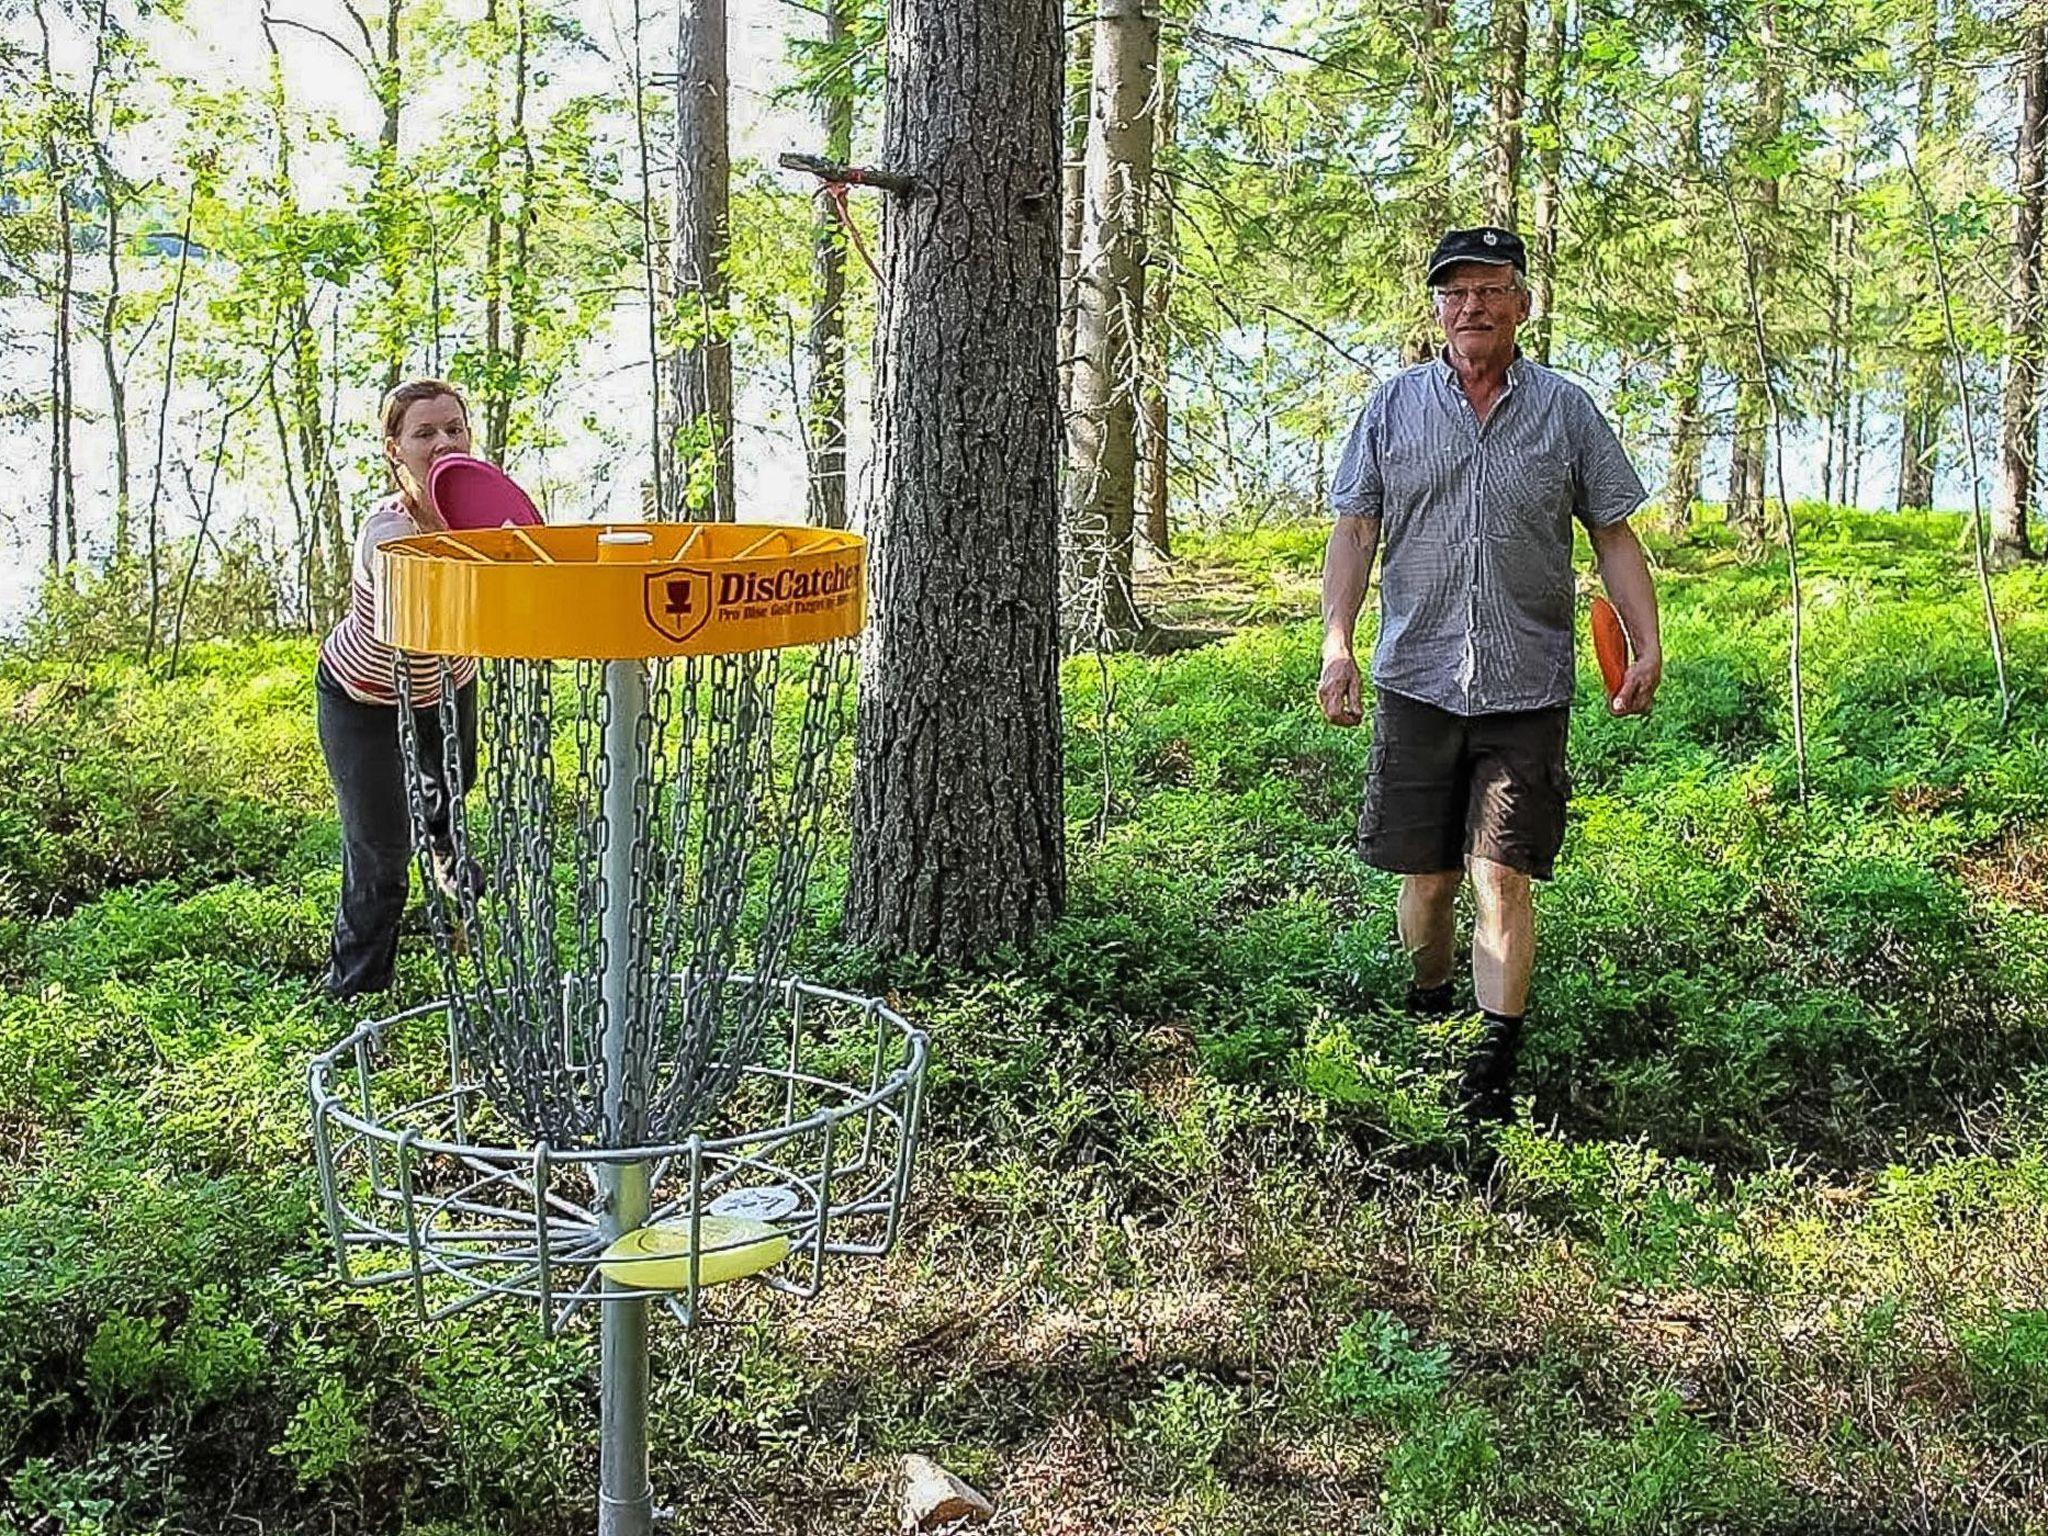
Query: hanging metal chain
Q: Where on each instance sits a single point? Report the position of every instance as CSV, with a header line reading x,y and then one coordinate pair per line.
x,y
726,822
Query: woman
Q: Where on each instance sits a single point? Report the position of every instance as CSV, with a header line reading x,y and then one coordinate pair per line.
x,y
357,690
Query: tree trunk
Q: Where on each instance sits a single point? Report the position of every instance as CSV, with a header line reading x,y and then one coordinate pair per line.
x,y
513,292
1549,169
1688,355
395,253
826,409
2020,428
958,819
1509,44
1747,459
654,494
63,529
1161,255
702,485
1429,150
1102,418
1922,397
1079,93
1920,431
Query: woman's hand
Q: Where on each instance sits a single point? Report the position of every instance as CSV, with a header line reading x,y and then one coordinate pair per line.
x,y
420,499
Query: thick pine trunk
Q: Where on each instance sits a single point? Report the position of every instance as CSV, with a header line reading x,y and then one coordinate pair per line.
x,y
1102,416
702,382
1509,43
825,410
958,820
2020,428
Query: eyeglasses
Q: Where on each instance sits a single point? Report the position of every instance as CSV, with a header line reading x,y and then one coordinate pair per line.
x,y
1488,294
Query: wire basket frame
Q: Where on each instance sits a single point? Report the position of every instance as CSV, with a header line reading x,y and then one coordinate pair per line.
x,y
413,1160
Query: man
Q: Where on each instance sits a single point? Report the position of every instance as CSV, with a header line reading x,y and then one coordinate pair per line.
x,y
1464,475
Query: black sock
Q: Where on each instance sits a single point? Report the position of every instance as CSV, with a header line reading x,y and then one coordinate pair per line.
x,y
1437,1002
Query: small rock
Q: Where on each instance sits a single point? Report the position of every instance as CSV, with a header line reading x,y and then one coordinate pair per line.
x,y
934,1498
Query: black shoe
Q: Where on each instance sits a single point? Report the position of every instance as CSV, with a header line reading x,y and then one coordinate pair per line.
x,y
1486,1090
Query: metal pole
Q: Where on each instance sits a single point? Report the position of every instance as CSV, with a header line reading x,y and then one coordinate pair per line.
x,y
625,1500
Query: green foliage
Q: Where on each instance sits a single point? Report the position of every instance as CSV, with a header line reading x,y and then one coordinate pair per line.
x,y
1772,1224
1378,1370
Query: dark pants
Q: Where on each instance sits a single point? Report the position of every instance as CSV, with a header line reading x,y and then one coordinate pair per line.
x,y
367,767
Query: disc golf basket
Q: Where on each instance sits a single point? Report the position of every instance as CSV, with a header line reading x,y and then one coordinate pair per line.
x,y
623,1098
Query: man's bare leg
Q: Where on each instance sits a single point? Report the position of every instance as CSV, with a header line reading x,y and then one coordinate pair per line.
x,y
1503,937
1429,925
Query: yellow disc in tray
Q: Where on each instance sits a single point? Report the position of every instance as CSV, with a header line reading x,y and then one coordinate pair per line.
x,y
657,1257
599,590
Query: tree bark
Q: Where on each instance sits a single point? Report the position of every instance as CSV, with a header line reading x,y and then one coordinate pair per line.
x,y
701,386
958,820
63,523
826,409
1923,379
1748,455
1429,150
1161,255
1102,418
1549,169
1509,45
512,291
2020,428
1688,357
1079,91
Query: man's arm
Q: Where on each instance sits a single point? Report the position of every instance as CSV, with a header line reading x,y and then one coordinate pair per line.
x,y
1625,572
1347,569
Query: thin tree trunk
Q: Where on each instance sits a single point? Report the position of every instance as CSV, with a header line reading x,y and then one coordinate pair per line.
x,y
1079,92
1753,396
1429,149
1922,404
1688,355
63,547
1102,421
1161,255
494,239
958,820
656,499
395,254
826,409
2020,429
507,384
1509,46
701,388
1549,181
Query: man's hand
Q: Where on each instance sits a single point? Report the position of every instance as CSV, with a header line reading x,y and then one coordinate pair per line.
x,y
1638,689
1341,691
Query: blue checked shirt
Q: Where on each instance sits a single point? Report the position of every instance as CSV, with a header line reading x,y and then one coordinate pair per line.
x,y
1476,594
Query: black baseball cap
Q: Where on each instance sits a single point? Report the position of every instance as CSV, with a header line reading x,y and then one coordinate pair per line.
x,y
1496,247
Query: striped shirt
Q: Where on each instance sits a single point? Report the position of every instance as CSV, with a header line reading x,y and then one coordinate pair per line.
x,y
1475,520
364,666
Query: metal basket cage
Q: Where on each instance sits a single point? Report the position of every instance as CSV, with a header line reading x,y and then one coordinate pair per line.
x,y
817,1139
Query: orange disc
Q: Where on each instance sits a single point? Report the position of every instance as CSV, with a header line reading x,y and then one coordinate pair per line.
x,y
1610,644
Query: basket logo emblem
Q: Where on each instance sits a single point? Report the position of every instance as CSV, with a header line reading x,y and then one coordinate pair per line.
x,y
678,601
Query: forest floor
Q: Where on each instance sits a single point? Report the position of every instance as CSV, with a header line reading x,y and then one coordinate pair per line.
x,y
1191,1248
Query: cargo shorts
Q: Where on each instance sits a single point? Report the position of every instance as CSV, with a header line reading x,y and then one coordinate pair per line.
x,y
1441,788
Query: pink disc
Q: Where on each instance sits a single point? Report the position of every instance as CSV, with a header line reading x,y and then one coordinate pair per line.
x,y
473,494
